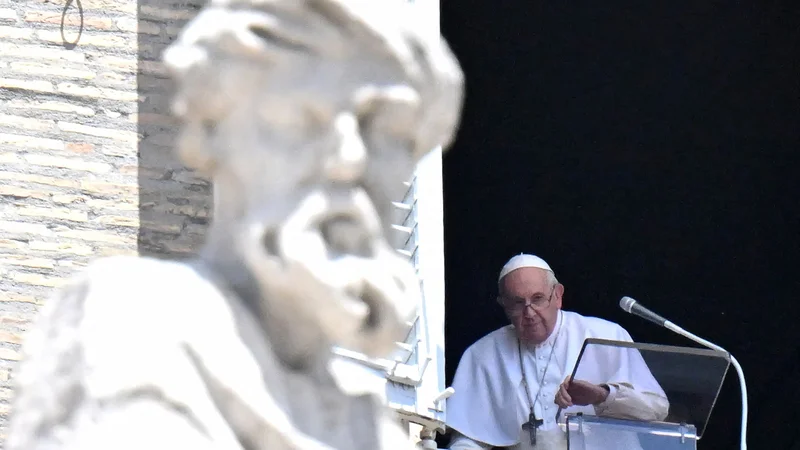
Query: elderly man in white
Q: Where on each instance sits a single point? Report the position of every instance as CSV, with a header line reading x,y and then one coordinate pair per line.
x,y
510,384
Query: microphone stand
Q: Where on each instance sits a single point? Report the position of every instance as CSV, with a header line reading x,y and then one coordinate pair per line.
x,y
742,385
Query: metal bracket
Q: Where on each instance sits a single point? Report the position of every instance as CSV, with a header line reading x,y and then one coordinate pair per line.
x,y
427,439
683,428
444,395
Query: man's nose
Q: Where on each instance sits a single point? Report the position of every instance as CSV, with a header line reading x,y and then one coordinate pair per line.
x,y
349,158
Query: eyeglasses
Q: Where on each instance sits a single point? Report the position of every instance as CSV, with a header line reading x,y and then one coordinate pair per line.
x,y
537,302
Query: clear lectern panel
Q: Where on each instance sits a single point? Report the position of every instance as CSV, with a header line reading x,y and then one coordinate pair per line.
x,y
677,385
600,433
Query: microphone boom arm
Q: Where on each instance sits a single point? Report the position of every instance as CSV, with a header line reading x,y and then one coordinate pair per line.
x,y
630,306
739,372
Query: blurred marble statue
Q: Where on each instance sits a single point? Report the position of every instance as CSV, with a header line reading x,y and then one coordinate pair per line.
x,y
308,115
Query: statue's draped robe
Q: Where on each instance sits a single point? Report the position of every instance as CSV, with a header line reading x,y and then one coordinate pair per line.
x,y
138,353
490,402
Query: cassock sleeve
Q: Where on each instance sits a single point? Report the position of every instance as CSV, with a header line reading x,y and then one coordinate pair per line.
x,y
625,402
633,391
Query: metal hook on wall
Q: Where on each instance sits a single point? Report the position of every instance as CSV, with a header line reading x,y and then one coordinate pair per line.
x,y
71,45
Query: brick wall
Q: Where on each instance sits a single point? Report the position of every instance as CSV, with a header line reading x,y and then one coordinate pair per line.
x,y
86,168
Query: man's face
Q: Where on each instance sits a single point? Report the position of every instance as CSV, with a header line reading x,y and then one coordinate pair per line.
x,y
531,303
280,129
312,150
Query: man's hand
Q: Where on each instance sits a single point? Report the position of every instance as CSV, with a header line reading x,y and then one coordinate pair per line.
x,y
579,392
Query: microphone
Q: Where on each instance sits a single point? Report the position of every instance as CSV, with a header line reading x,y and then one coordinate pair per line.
x,y
631,306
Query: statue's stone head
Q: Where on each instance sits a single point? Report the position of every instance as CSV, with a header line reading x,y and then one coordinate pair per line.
x,y
309,116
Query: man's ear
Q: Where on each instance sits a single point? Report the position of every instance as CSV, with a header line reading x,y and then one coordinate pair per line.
x,y
558,293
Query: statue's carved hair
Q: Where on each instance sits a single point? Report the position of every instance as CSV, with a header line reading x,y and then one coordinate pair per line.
x,y
351,30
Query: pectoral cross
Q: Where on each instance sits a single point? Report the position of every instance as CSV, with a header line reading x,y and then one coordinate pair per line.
x,y
532,425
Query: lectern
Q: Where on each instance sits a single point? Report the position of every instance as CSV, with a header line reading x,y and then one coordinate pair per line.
x,y
689,379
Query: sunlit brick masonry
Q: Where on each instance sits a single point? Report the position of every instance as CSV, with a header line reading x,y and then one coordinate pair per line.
x,y
86,168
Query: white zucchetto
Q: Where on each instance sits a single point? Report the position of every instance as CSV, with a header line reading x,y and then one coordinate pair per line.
x,y
523,260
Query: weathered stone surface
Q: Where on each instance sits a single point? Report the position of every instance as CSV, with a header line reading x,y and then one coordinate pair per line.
x,y
231,349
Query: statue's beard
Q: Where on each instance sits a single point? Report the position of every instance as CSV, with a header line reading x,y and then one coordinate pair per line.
x,y
328,276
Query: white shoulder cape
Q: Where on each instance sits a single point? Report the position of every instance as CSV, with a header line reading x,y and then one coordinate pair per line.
x,y
485,406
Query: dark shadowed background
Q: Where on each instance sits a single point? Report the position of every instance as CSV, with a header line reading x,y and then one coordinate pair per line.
x,y
644,149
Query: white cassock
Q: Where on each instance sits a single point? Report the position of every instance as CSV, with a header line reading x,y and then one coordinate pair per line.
x,y
490,403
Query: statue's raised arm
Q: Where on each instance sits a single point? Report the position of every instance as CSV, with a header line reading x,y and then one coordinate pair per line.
x,y
308,116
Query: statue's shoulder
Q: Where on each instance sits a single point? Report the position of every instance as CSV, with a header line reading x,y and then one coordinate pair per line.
x,y
138,309
141,288
144,274
131,269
